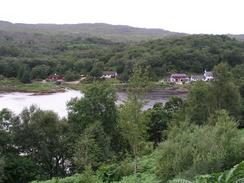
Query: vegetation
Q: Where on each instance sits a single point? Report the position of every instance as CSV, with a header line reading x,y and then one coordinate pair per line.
x,y
13,85
101,142
233,175
192,150
71,76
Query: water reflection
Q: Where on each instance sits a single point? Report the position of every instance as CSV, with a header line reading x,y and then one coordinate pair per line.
x,y
57,101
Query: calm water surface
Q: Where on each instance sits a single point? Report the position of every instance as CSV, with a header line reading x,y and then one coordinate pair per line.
x,y
16,102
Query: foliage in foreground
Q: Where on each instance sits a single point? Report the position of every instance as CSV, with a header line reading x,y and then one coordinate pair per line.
x,y
194,150
234,175
147,165
121,172
86,177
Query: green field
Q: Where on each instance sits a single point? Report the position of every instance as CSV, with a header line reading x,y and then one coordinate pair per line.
x,y
13,85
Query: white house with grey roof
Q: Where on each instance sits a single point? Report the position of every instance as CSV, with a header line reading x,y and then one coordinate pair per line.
x,y
197,78
208,75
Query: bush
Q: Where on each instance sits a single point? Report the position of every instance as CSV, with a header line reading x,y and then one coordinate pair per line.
x,y
140,177
236,174
71,76
86,177
192,150
115,172
40,72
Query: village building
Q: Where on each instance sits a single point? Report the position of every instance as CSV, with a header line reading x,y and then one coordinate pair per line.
x,y
196,78
179,78
208,75
109,74
55,77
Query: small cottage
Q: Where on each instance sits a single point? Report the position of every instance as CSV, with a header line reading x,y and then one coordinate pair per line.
x,y
55,77
109,74
179,78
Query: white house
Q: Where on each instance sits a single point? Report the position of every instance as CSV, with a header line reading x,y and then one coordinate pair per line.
x,y
196,78
109,74
208,75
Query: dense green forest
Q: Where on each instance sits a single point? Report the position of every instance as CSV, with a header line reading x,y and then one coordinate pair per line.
x,y
197,139
33,54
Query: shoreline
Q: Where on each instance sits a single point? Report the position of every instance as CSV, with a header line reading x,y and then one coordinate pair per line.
x,y
44,92
167,91
38,88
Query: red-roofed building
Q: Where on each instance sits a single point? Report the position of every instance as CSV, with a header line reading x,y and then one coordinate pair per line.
x,y
179,78
55,77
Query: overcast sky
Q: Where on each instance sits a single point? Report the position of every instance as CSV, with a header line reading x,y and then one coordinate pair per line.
x,y
190,16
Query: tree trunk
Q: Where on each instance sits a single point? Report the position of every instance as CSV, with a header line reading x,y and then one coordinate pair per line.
x,y
135,163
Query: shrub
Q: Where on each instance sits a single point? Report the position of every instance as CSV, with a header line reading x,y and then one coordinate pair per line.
x,y
192,150
234,175
71,76
86,177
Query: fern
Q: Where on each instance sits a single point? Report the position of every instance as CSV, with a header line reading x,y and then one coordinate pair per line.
x,y
234,175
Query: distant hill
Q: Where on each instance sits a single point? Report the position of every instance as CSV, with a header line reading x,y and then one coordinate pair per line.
x,y
116,33
238,37
119,33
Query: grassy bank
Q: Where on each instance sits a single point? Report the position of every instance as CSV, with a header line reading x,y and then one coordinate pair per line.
x,y
118,85
13,85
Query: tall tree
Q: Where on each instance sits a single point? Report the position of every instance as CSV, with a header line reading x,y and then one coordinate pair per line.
x,y
132,120
199,103
24,74
98,104
226,93
48,146
92,147
157,123
93,119
132,124
139,83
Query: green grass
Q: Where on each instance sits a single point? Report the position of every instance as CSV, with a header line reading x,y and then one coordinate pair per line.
x,y
13,85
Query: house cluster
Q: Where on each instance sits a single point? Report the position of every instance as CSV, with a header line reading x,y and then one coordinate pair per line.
x,y
181,78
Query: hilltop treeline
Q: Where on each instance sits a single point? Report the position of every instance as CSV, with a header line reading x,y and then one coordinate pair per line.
x,y
43,54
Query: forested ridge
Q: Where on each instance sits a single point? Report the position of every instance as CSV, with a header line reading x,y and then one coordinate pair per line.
x,y
44,54
117,33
